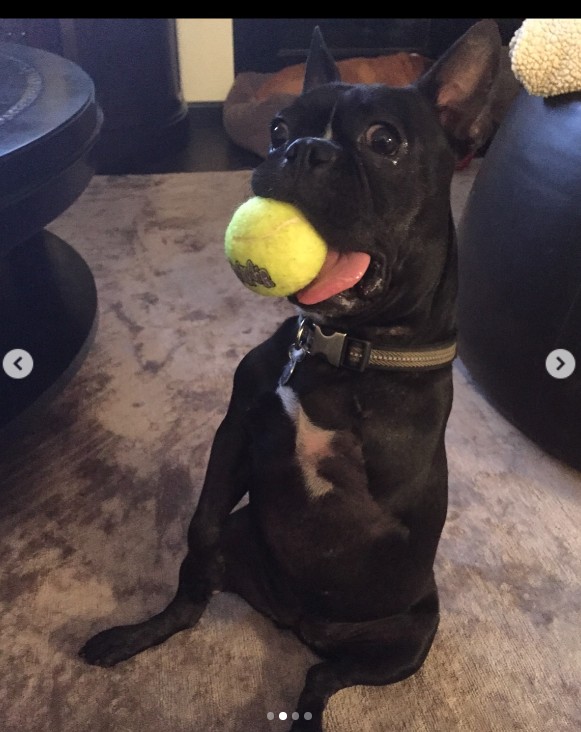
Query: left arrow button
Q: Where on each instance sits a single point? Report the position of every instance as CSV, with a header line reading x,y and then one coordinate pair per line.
x,y
17,363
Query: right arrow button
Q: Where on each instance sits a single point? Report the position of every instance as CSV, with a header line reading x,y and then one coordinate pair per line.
x,y
560,363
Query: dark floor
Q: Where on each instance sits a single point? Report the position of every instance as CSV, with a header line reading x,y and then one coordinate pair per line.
x,y
202,145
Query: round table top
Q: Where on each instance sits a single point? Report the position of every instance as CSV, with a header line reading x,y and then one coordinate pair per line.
x,y
49,120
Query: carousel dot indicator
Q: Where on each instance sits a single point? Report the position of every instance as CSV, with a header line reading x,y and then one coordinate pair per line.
x,y
283,715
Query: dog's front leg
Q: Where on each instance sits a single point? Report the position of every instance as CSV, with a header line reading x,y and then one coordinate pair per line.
x,y
373,653
328,677
200,572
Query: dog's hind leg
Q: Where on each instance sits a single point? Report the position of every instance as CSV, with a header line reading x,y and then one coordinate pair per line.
x,y
201,570
236,566
200,576
247,572
225,484
373,653
124,641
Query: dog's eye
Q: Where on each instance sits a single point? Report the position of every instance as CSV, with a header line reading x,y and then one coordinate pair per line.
x,y
383,139
278,133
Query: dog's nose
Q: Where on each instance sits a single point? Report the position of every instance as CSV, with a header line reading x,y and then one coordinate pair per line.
x,y
311,151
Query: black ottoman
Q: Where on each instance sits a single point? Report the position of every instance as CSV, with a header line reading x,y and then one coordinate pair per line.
x,y
520,272
49,123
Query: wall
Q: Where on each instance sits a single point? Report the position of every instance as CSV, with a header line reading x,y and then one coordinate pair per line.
x,y
206,55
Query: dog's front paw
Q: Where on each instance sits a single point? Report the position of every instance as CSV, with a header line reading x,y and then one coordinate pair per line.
x,y
109,647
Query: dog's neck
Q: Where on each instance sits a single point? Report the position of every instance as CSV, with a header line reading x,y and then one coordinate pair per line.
x,y
431,321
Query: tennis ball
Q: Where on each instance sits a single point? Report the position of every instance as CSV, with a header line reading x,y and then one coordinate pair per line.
x,y
272,248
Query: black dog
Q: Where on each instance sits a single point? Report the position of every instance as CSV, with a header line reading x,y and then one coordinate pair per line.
x,y
336,423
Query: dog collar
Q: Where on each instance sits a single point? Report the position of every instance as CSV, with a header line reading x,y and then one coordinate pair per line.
x,y
342,350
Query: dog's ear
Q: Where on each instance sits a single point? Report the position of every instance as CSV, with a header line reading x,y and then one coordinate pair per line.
x,y
321,68
461,84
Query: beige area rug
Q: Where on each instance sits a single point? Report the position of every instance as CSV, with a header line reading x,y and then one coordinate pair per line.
x,y
97,497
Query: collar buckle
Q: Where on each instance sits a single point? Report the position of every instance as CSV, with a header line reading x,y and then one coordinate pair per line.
x,y
332,347
338,348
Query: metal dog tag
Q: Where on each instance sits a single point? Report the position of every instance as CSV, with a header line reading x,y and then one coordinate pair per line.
x,y
295,356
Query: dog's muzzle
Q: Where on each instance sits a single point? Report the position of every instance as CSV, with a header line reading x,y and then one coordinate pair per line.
x,y
311,152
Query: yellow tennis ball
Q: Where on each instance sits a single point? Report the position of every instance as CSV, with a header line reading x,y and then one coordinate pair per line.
x,y
272,248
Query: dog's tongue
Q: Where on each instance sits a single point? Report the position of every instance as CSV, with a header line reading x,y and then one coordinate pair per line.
x,y
339,272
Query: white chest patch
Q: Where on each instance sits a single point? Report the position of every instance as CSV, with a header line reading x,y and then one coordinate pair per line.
x,y
312,443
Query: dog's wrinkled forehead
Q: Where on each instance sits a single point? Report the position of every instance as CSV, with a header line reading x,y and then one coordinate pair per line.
x,y
340,111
